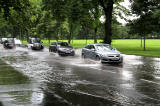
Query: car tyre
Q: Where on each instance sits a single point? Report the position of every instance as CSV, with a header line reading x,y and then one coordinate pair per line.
x,y
98,58
83,56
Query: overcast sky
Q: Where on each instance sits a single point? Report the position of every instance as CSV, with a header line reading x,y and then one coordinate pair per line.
x,y
126,4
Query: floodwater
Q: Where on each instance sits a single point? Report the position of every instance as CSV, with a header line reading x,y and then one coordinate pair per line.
x,y
72,81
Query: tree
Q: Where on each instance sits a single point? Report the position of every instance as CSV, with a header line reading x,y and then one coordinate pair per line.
x,y
17,5
148,21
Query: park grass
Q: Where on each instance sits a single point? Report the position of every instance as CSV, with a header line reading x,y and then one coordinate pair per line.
x,y
10,76
133,47
125,46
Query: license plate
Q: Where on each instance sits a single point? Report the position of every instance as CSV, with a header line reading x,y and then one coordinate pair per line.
x,y
68,52
115,59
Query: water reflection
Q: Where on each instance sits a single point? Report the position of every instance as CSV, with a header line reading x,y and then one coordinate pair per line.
x,y
148,84
16,87
72,81
78,87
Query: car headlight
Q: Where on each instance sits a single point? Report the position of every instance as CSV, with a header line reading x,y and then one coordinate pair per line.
x,y
105,55
71,50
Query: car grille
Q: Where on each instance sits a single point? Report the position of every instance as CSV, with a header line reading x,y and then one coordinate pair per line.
x,y
114,56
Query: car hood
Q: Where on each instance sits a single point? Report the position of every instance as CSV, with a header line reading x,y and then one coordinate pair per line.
x,y
65,48
108,52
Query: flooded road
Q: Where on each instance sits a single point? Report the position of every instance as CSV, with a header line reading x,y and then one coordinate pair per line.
x,y
72,81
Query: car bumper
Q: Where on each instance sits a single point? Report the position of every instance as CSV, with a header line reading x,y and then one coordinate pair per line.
x,y
9,46
72,53
112,60
37,48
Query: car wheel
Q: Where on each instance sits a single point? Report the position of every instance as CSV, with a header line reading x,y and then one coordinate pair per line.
x,y
73,54
42,47
83,56
32,48
98,58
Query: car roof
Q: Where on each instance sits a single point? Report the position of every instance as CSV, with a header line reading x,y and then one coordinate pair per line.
x,y
59,42
99,44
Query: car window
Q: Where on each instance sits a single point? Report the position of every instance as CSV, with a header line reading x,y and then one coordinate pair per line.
x,y
92,47
10,41
63,44
53,43
88,47
104,47
34,40
37,41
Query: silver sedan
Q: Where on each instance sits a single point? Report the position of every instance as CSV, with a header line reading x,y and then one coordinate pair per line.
x,y
102,52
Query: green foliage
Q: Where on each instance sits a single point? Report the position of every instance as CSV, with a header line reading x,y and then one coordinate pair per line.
x,y
17,5
148,21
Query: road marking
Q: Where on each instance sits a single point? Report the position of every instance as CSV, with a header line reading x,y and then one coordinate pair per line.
x,y
150,81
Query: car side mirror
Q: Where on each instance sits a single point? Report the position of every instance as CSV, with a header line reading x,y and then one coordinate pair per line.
x,y
114,49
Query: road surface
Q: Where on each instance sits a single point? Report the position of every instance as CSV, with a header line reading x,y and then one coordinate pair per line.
x,y
73,81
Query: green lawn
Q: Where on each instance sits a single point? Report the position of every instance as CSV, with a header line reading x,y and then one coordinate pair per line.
x,y
9,76
134,47
126,46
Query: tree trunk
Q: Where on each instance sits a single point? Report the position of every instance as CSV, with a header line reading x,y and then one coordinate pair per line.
x,y
27,35
141,41
22,35
95,36
57,36
144,43
49,41
86,33
70,34
108,22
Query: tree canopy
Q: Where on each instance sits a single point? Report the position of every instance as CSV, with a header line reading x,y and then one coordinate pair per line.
x,y
77,19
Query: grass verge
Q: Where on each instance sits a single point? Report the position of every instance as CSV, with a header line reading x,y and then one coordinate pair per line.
x,y
9,76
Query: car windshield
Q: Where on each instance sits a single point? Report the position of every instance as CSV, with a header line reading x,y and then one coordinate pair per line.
x,y
63,44
53,43
36,41
104,47
10,41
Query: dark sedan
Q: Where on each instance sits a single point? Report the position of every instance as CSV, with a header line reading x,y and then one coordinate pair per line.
x,y
62,48
9,44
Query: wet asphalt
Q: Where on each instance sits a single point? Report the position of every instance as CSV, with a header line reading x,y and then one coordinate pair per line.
x,y
73,81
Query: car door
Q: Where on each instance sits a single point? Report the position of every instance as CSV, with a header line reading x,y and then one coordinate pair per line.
x,y
85,51
92,52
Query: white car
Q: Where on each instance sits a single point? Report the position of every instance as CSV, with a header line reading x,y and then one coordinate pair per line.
x,y
17,42
3,39
35,44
